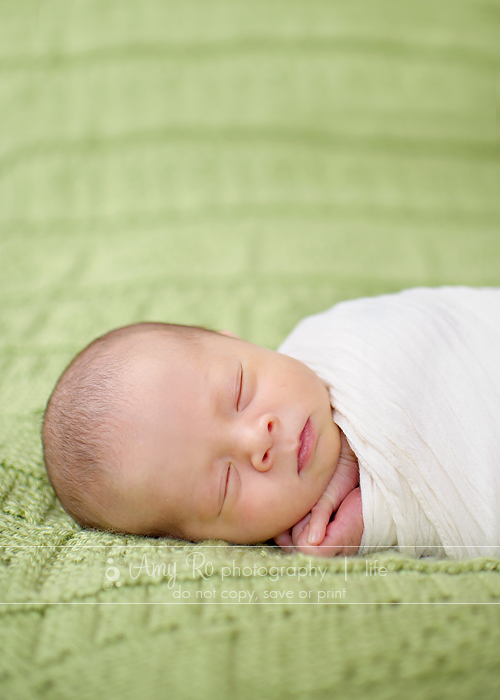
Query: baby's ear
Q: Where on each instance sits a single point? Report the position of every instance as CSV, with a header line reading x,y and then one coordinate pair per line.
x,y
229,334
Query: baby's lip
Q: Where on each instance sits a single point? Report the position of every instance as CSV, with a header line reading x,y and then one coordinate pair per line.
x,y
306,445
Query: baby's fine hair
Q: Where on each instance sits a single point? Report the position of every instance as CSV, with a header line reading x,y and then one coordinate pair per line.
x,y
83,414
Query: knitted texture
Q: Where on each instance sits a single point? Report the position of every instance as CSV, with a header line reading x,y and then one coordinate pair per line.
x,y
236,165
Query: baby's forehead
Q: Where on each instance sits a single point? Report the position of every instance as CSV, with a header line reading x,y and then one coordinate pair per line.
x,y
153,359
137,348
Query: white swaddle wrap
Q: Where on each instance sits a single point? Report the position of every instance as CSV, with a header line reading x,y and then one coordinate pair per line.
x,y
414,382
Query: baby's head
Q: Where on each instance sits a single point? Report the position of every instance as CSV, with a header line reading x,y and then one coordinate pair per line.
x,y
159,429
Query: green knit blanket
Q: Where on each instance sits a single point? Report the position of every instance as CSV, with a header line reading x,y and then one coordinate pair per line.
x,y
235,164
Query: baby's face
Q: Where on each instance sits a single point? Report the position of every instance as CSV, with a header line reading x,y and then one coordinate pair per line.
x,y
214,437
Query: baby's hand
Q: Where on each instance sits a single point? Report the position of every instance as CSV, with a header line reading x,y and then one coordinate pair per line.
x,y
345,478
343,535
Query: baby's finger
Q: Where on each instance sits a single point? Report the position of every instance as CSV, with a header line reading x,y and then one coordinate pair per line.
x,y
345,478
315,550
320,515
285,541
343,535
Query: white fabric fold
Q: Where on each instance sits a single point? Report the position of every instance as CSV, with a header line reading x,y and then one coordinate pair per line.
x,y
414,383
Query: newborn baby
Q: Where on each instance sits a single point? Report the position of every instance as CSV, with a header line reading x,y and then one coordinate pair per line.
x,y
161,429
171,430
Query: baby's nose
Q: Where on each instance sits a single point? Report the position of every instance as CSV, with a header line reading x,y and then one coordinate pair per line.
x,y
261,442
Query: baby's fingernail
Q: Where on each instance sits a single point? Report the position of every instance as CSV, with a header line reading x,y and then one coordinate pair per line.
x,y
313,537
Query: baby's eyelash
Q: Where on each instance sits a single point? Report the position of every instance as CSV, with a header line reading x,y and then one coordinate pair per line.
x,y
241,389
227,483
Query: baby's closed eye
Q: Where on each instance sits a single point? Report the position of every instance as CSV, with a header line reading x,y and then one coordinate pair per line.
x,y
240,389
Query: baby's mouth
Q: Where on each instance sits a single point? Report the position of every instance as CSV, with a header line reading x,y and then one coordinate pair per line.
x,y
306,445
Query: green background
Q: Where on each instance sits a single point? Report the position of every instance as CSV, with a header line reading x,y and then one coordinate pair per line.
x,y
236,165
